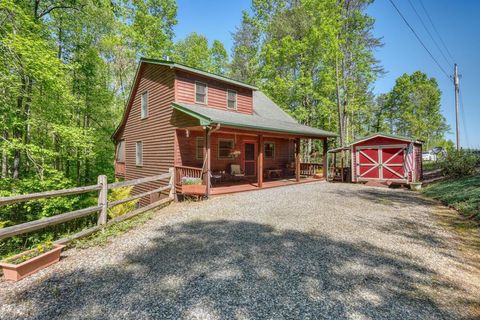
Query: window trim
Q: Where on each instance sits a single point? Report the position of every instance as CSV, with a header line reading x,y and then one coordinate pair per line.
x,y
118,151
230,157
236,99
206,92
198,156
139,163
274,147
142,114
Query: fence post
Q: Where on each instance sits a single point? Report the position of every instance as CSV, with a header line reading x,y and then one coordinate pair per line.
x,y
172,194
102,199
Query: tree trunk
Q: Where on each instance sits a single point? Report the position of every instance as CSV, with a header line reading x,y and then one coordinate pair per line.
x,y
4,157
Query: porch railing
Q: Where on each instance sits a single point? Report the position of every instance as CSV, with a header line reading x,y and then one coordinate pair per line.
x,y
309,169
184,171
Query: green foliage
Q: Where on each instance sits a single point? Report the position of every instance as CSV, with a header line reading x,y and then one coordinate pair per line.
x,y
38,250
121,209
463,194
191,181
460,163
194,51
412,108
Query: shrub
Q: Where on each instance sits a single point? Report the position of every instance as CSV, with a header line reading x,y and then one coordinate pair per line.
x,y
460,163
121,209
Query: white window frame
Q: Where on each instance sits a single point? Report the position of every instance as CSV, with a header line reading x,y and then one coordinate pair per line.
x,y
138,162
144,105
206,92
265,154
218,152
236,99
197,155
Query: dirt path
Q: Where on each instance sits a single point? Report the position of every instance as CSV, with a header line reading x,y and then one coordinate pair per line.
x,y
319,250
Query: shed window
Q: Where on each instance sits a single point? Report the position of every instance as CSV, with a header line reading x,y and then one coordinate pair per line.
x,y
201,92
139,153
144,112
225,147
232,99
269,150
199,148
121,151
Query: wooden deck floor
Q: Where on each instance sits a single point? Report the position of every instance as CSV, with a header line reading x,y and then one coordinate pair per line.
x,y
233,187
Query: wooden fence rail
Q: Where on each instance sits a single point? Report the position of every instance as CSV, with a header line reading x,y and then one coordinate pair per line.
x,y
102,205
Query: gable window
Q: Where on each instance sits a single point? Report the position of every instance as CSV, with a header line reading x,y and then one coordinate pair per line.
x,y
232,99
144,112
225,147
269,150
121,151
199,148
201,91
139,153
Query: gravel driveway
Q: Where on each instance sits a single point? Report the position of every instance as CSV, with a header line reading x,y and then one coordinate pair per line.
x,y
318,250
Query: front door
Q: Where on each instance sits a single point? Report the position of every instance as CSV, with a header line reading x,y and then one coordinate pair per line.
x,y
250,162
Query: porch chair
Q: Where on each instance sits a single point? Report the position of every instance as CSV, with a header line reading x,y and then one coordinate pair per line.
x,y
236,172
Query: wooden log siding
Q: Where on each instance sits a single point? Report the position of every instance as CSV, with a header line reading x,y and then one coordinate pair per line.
x,y
216,95
155,131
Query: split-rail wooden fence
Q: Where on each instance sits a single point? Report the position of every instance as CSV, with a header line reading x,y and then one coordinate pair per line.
x,y
101,208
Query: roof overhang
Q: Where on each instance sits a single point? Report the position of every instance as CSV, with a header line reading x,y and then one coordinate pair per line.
x,y
206,120
385,135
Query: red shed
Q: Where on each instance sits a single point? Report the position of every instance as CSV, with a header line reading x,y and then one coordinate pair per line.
x,y
385,158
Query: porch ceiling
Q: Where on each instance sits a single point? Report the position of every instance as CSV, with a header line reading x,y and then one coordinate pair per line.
x,y
209,116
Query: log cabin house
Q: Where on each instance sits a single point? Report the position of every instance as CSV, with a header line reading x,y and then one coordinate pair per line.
x,y
225,132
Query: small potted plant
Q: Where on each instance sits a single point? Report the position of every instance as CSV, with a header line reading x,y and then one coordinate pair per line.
x,y
318,174
24,264
191,185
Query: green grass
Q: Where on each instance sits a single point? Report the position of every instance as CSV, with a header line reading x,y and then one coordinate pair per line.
x,y
462,194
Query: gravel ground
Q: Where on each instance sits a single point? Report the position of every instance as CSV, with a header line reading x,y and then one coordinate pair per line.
x,y
318,250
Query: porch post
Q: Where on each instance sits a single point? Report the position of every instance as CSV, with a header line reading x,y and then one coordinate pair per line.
x,y
260,161
325,149
297,159
206,155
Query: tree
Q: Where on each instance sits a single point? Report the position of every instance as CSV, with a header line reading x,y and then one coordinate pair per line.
x,y
194,51
413,108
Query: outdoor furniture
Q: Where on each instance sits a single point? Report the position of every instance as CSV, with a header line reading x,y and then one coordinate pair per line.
x,y
217,176
271,173
236,171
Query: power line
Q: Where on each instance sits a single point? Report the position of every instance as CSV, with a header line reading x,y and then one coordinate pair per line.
x,y
462,114
428,31
419,40
436,31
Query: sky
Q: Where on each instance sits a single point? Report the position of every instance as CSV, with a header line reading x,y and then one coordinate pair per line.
x,y
456,21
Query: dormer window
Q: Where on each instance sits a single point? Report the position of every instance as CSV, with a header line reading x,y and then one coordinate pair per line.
x,y
232,99
201,90
144,111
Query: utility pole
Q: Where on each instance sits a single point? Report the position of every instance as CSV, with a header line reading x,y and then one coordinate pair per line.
x,y
456,84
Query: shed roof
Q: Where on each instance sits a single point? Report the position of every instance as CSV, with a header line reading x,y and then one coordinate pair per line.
x,y
386,135
277,122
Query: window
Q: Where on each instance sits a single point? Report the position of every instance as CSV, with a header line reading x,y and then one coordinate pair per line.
x,y
201,92
199,148
121,151
269,150
232,99
139,153
144,105
225,148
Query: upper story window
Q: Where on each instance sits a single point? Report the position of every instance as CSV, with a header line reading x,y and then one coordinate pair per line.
x,y
121,151
201,91
139,153
269,150
144,112
232,99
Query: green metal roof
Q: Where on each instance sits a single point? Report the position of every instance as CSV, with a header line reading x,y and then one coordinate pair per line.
x,y
180,66
208,116
387,135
